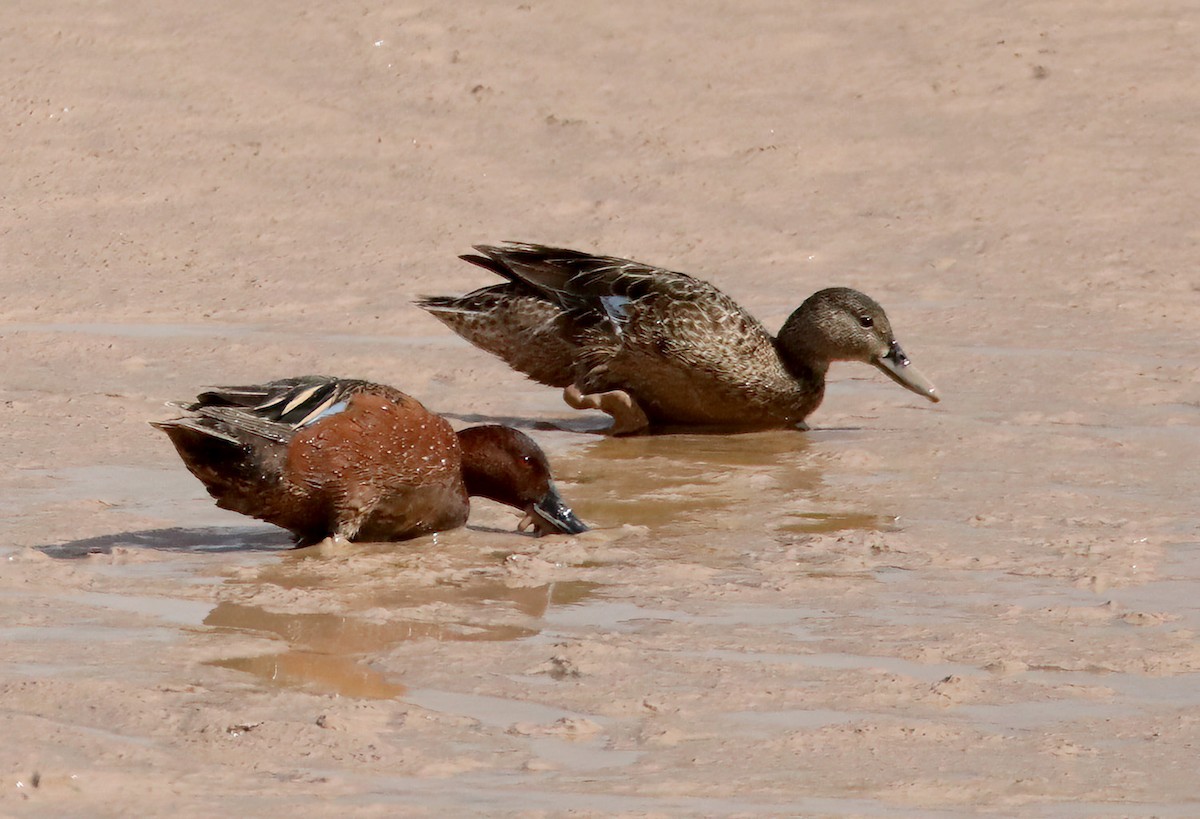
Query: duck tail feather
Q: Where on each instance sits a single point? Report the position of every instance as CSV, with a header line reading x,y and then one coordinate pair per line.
x,y
197,426
242,421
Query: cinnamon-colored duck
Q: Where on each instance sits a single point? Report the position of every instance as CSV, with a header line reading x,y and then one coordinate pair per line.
x,y
346,459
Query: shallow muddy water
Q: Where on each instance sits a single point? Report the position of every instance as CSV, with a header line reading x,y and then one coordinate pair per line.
x,y
837,592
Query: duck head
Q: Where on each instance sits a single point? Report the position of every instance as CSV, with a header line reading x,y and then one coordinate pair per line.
x,y
840,324
505,465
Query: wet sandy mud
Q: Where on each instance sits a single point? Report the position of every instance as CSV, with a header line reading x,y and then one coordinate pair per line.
x,y
981,606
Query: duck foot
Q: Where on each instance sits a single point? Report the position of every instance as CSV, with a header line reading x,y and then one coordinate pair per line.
x,y
627,416
332,545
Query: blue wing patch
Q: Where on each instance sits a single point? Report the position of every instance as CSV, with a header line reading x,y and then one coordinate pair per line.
x,y
617,310
332,409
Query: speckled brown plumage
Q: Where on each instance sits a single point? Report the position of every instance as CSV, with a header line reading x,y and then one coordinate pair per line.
x,y
538,337
673,345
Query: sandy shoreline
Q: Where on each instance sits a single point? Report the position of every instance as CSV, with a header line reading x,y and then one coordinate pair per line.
x,y
984,606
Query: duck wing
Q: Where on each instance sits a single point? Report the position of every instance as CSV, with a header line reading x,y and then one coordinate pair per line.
x,y
592,289
258,414
287,402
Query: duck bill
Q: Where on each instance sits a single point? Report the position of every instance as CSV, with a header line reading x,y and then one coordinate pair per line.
x,y
898,368
551,515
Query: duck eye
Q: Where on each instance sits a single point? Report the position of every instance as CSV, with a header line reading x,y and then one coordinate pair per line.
x,y
866,321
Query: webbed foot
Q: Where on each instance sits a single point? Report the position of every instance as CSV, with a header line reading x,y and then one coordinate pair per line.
x,y
628,417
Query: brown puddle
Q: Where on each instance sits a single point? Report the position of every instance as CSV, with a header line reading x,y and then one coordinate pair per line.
x,y
325,673
822,523
330,653
661,480
649,481
687,455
